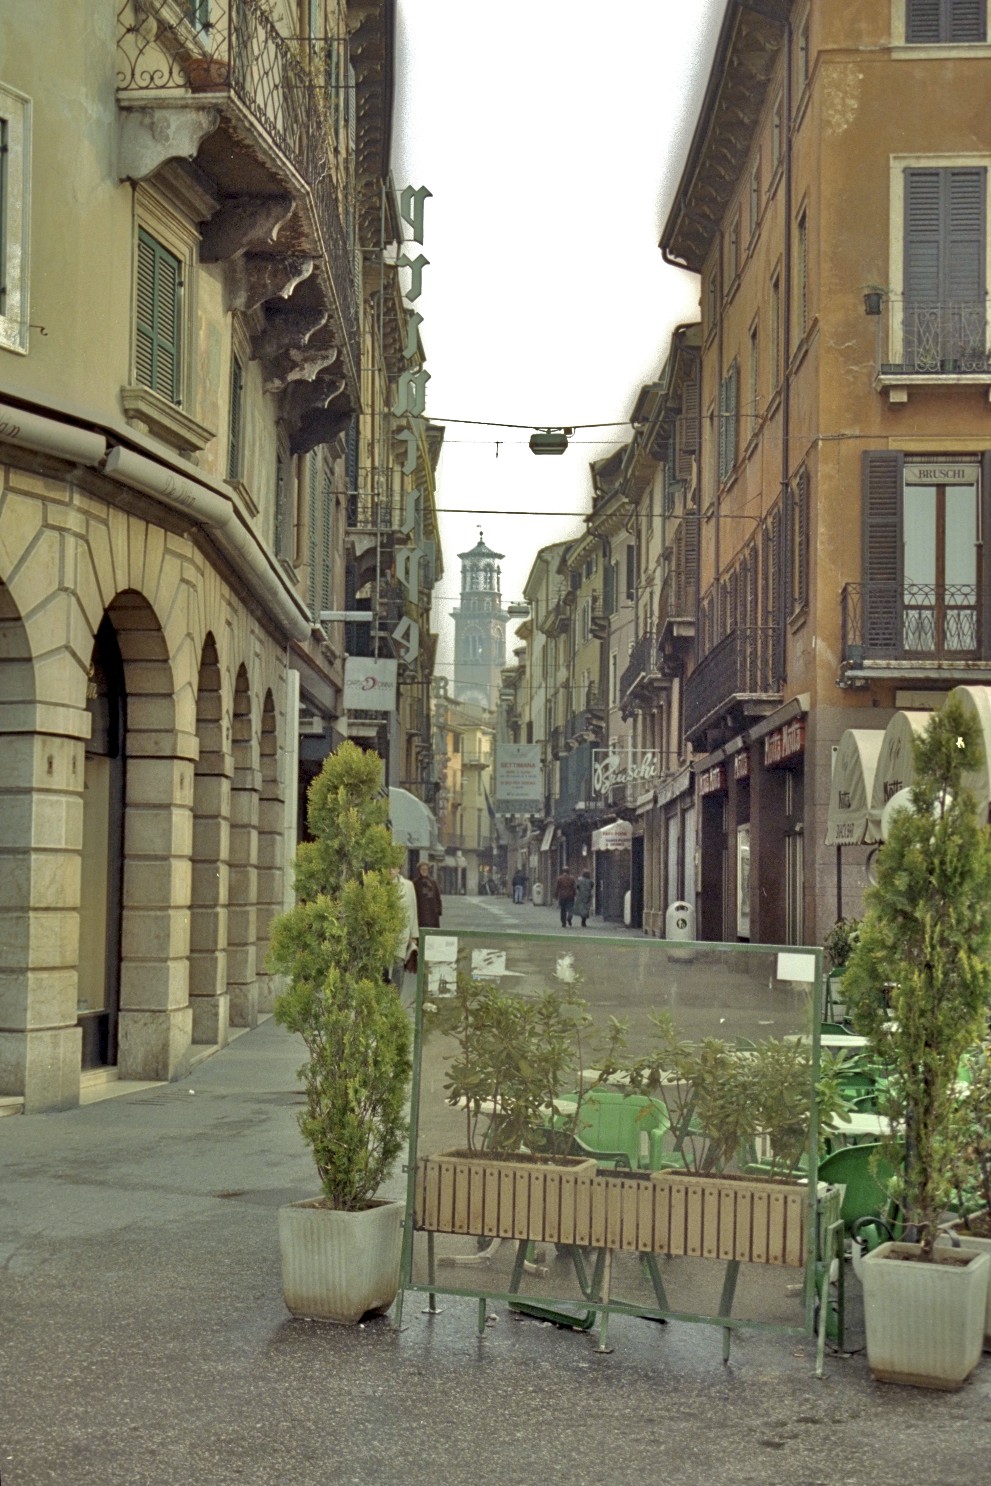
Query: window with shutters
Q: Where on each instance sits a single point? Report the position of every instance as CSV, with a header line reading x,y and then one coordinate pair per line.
x,y
729,394
931,22
753,379
802,273
631,571
285,506
923,569
235,421
775,361
15,147
944,271
161,395
798,543
158,319
733,251
777,132
754,214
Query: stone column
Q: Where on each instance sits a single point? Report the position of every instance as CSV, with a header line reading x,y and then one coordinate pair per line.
x,y
242,920
155,1024
40,849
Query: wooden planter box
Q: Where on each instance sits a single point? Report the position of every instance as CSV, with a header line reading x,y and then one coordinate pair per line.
x,y
570,1202
719,1217
503,1197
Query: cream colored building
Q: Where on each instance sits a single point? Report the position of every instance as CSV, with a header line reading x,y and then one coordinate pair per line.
x,y
180,376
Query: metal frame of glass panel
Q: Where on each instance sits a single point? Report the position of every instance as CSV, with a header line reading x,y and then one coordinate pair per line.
x,y
580,1272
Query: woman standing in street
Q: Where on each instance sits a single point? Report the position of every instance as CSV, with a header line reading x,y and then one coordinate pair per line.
x,y
429,904
584,891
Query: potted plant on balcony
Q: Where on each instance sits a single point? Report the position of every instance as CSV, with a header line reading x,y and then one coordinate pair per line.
x,y
919,986
341,1251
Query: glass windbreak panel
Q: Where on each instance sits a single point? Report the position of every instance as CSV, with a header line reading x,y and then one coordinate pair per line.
x,y
960,565
656,1101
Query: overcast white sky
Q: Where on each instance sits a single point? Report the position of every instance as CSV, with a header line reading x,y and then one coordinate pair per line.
x,y
552,134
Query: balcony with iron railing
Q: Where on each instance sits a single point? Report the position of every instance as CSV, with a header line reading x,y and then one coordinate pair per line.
x,y
914,629
252,111
642,664
737,682
930,340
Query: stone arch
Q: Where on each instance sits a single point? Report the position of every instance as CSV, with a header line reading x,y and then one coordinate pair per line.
x,y
271,840
242,916
155,1021
208,995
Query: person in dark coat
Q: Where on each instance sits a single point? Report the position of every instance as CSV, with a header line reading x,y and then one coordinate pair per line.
x,y
564,892
429,904
584,891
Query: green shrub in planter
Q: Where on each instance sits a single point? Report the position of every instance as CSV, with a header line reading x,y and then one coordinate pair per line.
x,y
334,947
919,980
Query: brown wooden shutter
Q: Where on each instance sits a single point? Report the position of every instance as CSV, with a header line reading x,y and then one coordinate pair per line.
x,y
882,553
945,20
801,596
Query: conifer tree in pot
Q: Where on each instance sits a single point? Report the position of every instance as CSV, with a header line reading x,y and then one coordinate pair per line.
x,y
918,985
334,948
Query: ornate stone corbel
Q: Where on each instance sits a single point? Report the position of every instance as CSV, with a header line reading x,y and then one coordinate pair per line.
x,y
149,137
244,222
255,277
285,328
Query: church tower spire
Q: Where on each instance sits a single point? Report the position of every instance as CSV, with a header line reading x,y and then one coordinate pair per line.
x,y
479,627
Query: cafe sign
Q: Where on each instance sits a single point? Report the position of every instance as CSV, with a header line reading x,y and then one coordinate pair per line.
x,y
611,768
784,743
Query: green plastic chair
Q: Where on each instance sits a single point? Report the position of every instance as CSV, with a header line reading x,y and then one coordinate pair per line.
x,y
610,1125
864,1178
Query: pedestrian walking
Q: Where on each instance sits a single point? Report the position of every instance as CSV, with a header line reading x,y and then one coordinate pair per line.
x,y
404,955
519,885
564,892
429,904
584,893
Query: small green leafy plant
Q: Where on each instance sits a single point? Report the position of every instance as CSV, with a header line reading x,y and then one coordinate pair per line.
x,y
841,941
728,1104
516,1056
333,947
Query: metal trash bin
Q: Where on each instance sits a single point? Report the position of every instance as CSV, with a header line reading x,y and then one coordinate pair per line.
x,y
679,927
538,894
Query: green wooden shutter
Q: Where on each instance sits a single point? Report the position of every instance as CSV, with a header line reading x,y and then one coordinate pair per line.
x,y
157,318
313,536
326,534
235,420
4,155
882,554
284,533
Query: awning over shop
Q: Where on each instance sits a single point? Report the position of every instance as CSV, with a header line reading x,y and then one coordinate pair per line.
x,y
412,822
976,701
615,837
895,765
848,822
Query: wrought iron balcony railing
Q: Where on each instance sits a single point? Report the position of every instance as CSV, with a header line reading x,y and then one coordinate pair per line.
x,y
642,662
933,338
368,512
930,622
232,50
742,668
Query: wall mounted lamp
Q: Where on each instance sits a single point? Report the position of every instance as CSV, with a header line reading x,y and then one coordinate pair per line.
x,y
872,301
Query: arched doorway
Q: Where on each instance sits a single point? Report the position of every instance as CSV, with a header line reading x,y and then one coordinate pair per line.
x,y
101,886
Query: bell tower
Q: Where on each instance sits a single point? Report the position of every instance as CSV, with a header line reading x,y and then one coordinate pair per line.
x,y
479,627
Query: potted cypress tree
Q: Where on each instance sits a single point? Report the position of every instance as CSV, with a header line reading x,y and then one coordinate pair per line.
x,y
341,1251
919,987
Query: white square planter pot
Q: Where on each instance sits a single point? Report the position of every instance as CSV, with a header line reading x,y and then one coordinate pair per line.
x,y
981,1246
340,1266
925,1322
